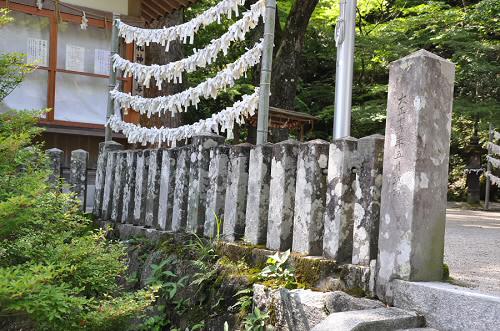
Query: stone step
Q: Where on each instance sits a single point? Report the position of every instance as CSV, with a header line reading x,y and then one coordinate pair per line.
x,y
418,329
381,319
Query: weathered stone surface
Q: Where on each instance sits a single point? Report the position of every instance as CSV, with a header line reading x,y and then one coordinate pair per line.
x,y
367,205
109,181
129,187
119,183
417,143
448,307
104,147
198,180
216,194
55,156
153,187
236,192
282,195
179,210
340,197
374,320
167,189
141,182
310,195
259,177
78,175
355,279
339,301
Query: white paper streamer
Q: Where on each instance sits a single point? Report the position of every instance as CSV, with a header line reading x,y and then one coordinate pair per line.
x,y
494,179
494,162
496,135
183,31
172,72
192,96
225,119
475,171
495,149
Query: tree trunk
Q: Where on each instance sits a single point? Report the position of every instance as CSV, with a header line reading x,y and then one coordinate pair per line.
x,y
155,54
288,49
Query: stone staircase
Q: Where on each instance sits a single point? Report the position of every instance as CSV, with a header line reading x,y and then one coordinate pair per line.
x,y
304,310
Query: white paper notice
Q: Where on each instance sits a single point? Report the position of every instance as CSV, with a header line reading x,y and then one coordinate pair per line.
x,y
38,52
102,61
75,58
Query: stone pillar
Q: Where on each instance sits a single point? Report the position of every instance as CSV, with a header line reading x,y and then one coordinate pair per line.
x,y
367,206
78,175
310,195
179,210
474,171
119,183
198,180
282,195
129,187
417,143
259,177
109,182
141,183
340,198
167,189
104,148
236,193
153,187
216,194
55,156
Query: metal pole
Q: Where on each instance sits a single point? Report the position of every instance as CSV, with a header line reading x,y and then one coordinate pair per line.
x,y
344,38
488,170
265,73
108,135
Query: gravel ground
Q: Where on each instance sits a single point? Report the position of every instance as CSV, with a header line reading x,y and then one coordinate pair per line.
x,y
472,248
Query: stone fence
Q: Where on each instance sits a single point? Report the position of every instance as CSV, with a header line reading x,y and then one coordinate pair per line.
x,y
315,198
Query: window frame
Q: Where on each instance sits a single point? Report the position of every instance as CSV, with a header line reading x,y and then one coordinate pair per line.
x,y
52,69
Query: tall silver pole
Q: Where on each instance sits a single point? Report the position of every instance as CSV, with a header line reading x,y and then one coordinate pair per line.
x,y
265,73
488,170
108,135
344,38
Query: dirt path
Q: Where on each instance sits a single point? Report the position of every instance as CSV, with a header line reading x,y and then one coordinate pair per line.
x,y
472,248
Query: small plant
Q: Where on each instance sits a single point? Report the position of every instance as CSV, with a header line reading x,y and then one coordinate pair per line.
x,y
276,268
256,321
245,300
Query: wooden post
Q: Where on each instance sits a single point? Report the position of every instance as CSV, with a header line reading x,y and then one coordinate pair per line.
x,y
265,73
488,170
108,135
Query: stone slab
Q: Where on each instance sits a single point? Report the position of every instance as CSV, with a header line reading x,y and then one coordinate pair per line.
x,y
153,187
119,183
179,209
448,307
129,187
141,183
167,189
78,175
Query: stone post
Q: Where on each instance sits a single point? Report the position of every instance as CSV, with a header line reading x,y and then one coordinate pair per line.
x,y
55,156
100,174
474,171
109,185
153,188
141,183
282,195
236,193
179,210
259,177
129,187
417,143
217,174
340,198
78,175
198,180
310,194
367,206
167,189
119,183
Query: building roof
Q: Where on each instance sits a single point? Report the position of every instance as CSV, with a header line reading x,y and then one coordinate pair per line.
x,y
284,118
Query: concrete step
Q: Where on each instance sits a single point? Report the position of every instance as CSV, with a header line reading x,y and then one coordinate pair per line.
x,y
381,319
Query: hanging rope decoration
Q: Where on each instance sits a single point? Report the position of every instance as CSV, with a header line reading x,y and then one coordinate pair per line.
x,y
172,72
183,31
225,119
496,135
495,149
179,102
494,179
494,162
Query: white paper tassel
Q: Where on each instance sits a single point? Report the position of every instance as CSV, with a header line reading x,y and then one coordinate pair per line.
x,y
494,179
494,162
225,119
192,96
172,72
39,4
85,22
496,135
495,149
